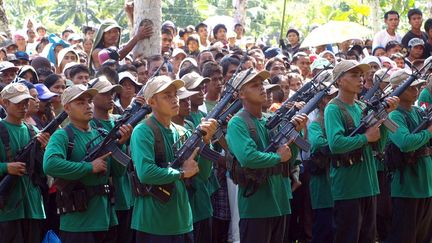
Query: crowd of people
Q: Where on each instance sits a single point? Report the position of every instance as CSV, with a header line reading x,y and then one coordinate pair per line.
x,y
331,182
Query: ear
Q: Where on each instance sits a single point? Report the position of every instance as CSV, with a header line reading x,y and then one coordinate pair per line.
x,y
152,101
241,94
67,108
6,103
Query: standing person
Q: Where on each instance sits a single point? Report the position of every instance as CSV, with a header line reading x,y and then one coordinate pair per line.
x,y
195,82
87,214
354,175
219,34
415,19
263,215
152,148
411,187
202,31
213,71
391,19
293,38
22,213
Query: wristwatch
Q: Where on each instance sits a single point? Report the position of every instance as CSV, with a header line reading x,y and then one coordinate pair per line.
x,y
181,174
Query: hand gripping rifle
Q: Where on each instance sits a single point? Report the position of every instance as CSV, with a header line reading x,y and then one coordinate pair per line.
x,y
377,112
32,155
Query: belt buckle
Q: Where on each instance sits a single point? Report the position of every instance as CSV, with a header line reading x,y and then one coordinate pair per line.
x,y
106,189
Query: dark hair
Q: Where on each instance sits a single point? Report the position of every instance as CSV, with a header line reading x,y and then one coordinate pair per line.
x,y
272,61
377,48
209,68
293,31
191,68
414,11
139,63
154,58
199,26
192,38
386,15
44,72
226,62
87,29
166,31
181,32
428,25
353,53
66,31
80,68
217,27
126,67
392,44
51,80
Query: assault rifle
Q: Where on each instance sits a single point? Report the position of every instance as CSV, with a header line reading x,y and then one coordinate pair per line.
x,y
110,144
32,155
375,92
377,112
305,93
287,133
427,119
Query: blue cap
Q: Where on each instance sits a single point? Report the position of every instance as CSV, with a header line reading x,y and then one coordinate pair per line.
x,y
272,52
21,55
43,92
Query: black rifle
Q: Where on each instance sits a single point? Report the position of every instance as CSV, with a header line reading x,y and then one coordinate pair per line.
x,y
231,110
305,93
109,144
32,155
377,112
287,133
375,92
427,119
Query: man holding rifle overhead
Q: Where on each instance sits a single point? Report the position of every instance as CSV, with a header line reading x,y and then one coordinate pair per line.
x,y
353,172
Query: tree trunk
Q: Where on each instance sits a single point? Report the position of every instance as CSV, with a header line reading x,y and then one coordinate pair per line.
x,y
4,23
375,19
152,10
240,11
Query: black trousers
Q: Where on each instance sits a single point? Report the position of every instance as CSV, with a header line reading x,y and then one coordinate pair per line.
x,y
89,237
384,206
354,220
124,232
145,237
322,231
262,230
220,230
21,231
412,221
203,231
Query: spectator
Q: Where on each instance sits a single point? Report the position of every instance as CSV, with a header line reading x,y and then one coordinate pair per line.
x,y
391,19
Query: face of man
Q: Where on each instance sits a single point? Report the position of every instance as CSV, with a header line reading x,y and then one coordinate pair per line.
x,y
254,92
202,32
277,68
221,34
230,72
239,31
304,64
351,82
216,83
205,57
129,90
369,74
285,87
104,101
80,109
410,95
198,98
18,110
7,76
392,21
20,41
33,106
185,107
416,52
166,42
81,78
165,103
259,60
142,74
295,84
111,37
293,38
176,61
153,66
416,21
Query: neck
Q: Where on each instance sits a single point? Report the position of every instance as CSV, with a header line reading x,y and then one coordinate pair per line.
x,y
203,41
164,120
254,109
391,31
346,97
125,102
406,105
194,108
416,31
179,120
81,125
212,96
14,120
100,114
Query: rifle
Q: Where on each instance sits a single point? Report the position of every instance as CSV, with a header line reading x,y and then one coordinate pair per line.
x,y
375,91
288,133
378,110
427,119
109,144
231,110
33,156
305,93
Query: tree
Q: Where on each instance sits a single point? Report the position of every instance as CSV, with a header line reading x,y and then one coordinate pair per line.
x,y
240,11
152,10
4,23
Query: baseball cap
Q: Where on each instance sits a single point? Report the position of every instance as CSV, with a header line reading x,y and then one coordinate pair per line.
x,y
124,75
15,93
193,79
183,93
43,92
332,90
415,42
5,65
102,85
251,76
399,76
348,65
22,55
269,86
383,74
159,84
69,65
111,24
178,51
75,91
369,59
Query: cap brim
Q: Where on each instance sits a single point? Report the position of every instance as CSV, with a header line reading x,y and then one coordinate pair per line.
x,y
116,88
90,91
112,27
176,82
47,96
263,75
15,68
271,86
183,94
362,66
198,82
20,98
418,82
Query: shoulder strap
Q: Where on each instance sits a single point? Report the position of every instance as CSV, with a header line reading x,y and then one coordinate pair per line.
x,y
159,146
98,123
251,126
71,138
348,121
31,130
4,136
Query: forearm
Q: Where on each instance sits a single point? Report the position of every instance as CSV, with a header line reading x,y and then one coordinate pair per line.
x,y
64,169
128,47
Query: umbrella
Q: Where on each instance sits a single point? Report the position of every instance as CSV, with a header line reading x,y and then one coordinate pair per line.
x,y
335,32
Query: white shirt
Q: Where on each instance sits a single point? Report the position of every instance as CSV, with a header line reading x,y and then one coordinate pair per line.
x,y
383,37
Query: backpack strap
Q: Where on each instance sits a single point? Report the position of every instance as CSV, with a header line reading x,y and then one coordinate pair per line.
x,y
4,136
71,138
349,122
159,146
247,117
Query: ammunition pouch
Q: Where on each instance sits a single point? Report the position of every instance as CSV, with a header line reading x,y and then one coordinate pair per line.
x,y
347,159
77,199
162,193
397,160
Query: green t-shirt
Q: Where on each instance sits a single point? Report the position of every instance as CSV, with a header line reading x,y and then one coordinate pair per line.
x,y
100,214
272,197
149,215
123,185
25,200
359,180
210,104
425,98
417,178
195,117
320,189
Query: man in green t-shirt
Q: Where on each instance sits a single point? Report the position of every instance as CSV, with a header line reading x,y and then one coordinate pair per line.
x,y
86,211
354,182
170,220
195,82
22,214
262,214
411,187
